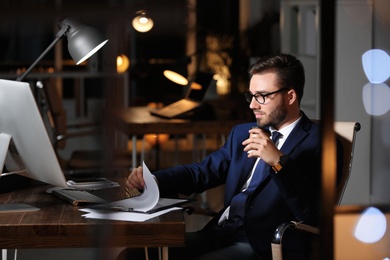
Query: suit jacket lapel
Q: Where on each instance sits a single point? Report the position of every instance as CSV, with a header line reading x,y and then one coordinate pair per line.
x,y
246,171
242,174
298,134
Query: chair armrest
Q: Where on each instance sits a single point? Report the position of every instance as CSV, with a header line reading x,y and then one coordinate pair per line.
x,y
279,232
307,228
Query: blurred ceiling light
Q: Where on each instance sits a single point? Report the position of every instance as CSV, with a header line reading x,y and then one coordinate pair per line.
x,y
142,22
122,63
376,98
376,65
175,77
371,226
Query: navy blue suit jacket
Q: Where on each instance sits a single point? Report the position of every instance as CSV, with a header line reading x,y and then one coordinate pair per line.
x,y
288,195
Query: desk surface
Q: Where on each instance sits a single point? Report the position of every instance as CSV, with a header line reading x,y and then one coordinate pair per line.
x,y
139,121
60,225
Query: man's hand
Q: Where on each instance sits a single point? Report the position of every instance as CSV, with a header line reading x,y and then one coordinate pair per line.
x,y
260,145
136,179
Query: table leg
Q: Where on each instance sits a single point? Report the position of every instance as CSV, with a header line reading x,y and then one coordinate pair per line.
x,y
146,253
157,150
134,151
142,150
165,253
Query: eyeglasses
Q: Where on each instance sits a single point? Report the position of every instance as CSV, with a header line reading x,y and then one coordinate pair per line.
x,y
261,98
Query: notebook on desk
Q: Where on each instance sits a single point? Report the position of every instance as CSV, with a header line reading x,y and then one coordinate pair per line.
x,y
192,100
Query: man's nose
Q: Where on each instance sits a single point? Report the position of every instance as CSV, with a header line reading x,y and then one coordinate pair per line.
x,y
254,104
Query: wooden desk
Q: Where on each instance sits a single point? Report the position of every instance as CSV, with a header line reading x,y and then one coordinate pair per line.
x,y
135,121
60,225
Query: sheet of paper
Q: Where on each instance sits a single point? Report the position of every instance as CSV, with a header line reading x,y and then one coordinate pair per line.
x,y
134,209
123,216
146,201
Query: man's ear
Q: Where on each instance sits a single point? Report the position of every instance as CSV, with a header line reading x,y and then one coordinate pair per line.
x,y
292,96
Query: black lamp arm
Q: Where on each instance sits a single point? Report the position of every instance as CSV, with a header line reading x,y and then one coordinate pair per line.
x,y
61,33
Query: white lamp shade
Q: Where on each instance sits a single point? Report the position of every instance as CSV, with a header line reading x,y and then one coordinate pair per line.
x,y
175,77
83,41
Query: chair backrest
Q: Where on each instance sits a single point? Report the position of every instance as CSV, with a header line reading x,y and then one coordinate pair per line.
x,y
346,133
56,112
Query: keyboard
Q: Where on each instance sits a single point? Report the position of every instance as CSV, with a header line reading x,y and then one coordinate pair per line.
x,y
75,197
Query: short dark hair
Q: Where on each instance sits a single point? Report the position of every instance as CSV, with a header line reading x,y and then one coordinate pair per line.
x,y
288,68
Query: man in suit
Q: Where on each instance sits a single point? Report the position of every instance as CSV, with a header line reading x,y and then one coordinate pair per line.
x,y
289,169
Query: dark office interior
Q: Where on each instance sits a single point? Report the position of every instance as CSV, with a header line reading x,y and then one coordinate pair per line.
x,y
29,27
221,37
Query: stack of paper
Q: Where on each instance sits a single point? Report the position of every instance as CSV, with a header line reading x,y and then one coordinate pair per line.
x,y
141,208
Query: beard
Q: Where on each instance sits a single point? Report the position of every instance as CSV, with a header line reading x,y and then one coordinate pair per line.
x,y
274,118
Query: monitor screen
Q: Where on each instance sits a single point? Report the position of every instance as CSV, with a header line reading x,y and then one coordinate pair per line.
x,y
25,147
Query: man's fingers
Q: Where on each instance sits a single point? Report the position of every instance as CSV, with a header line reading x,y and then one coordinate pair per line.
x,y
135,179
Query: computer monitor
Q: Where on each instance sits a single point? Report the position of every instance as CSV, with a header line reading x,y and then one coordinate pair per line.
x,y
25,146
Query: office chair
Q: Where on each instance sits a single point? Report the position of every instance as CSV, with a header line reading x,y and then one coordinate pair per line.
x,y
346,133
56,120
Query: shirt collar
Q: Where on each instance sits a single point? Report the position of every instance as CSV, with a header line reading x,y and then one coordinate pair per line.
x,y
285,131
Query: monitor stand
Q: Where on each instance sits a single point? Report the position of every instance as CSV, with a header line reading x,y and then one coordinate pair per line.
x,y
17,207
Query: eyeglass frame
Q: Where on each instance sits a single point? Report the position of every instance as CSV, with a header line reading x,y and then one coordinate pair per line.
x,y
249,96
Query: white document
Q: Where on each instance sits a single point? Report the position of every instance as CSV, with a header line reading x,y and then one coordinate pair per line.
x,y
148,203
143,203
124,216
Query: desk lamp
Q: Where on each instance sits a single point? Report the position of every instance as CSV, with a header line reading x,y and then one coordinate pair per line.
x,y
83,42
175,76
